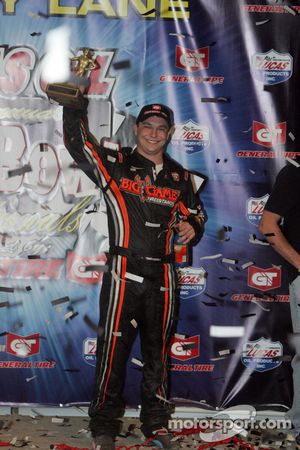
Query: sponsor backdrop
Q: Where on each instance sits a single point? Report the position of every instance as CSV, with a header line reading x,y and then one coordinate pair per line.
x,y
230,71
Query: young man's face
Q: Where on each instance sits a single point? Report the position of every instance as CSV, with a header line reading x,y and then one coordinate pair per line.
x,y
152,135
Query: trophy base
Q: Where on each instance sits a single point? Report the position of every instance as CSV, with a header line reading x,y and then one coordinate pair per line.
x,y
66,95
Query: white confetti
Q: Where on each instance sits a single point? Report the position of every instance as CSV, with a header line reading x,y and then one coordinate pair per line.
x,y
289,10
57,420
247,264
218,255
291,136
133,277
229,261
151,224
111,145
68,315
217,358
137,362
226,331
253,240
162,398
292,161
117,333
178,34
134,323
262,22
30,379
179,336
257,302
224,352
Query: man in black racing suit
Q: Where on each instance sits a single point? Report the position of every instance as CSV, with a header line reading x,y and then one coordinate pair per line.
x,y
149,197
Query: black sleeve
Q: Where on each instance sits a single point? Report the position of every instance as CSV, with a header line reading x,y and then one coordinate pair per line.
x,y
285,193
97,162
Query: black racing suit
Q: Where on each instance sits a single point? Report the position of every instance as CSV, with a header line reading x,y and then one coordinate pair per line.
x,y
138,291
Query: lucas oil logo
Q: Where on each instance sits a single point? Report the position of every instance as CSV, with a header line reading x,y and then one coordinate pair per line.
x,y
192,60
184,349
264,279
89,351
255,207
272,67
191,281
262,355
269,135
191,137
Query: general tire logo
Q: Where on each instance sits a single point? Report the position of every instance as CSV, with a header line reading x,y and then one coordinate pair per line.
x,y
184,349
192,60
83,269
23,346
268,135
264,279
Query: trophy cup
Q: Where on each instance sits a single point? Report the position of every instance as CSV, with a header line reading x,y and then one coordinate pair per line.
x,y
70,93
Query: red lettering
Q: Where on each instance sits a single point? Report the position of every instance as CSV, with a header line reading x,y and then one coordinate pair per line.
x,y
189,279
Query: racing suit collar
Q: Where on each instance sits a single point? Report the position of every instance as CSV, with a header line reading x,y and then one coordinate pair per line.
x,y
140,159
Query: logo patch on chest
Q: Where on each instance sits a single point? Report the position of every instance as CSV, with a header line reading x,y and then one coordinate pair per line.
x,y
149,192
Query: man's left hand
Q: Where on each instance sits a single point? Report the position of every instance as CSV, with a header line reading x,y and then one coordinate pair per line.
x,y
185,231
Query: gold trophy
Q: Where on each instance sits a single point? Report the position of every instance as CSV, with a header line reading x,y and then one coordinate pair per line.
x,y
71,93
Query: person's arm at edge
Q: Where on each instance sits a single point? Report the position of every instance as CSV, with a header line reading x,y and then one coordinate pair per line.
x,y
269,227
76,134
